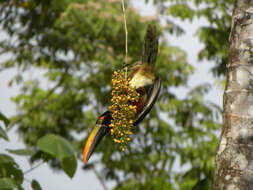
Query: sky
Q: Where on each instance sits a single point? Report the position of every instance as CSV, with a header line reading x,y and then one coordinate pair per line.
x,y
51,180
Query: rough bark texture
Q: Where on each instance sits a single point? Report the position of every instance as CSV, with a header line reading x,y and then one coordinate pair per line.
x,y
234,160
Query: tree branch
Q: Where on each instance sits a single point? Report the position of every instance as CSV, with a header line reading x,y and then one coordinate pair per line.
x,y
33,168
99,178
38,104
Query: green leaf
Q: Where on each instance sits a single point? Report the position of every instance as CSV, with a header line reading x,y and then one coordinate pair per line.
x,y
69,165
203,184
62,150
5,159
3,134
21,152
181,10
55,145
10,169
7,183
35,185
4,119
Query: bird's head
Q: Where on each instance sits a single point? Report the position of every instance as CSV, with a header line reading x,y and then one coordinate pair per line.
x,y
99,131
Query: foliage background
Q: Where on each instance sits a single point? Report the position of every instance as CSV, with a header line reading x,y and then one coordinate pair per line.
x,y
76,45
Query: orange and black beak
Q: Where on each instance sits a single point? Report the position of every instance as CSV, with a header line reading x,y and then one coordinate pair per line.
x,y
94,139
100,130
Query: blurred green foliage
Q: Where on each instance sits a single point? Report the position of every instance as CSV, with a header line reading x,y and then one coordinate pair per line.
x,y
77,44
10,174
214,36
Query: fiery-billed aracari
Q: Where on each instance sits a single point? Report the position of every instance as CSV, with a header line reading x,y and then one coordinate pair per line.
x,y
143,79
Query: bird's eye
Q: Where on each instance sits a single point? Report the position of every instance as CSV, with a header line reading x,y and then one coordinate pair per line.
x,y
99,121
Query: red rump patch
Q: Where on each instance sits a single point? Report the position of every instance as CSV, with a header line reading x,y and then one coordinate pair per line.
x,y
138,104
142,99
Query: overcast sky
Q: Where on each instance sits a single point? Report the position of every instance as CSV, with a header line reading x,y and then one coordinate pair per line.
x,y
50,180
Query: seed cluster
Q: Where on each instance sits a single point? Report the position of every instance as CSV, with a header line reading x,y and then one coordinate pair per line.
x,y
122,108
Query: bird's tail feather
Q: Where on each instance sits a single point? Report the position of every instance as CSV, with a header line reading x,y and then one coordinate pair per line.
x,y
150,48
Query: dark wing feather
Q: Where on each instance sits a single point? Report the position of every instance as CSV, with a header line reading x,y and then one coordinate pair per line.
x,y
152,96
150,46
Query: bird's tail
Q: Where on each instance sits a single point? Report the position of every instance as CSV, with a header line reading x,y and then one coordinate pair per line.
x,y
150,47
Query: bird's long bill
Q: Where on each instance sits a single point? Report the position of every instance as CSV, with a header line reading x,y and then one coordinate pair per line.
x,y
95,137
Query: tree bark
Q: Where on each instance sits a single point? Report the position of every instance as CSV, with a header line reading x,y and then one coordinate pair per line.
x,y
234,159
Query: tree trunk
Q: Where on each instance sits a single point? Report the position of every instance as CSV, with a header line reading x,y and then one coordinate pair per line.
x,y
234,160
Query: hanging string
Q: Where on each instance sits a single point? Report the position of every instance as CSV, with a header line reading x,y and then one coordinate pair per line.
x,y
126,34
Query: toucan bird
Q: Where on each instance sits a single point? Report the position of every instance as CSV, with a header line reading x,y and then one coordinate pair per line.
x,y
143,79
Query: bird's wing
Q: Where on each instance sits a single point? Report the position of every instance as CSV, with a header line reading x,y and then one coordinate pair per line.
x,y
152,96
